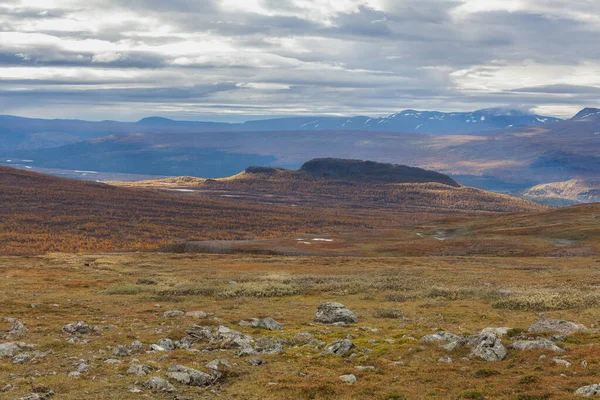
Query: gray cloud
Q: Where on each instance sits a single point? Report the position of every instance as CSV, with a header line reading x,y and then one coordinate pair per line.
x,y
206,57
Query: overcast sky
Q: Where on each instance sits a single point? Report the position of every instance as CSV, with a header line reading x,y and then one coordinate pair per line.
x,y
240,59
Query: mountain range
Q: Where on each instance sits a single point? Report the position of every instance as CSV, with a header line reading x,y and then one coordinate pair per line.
x,y
27,133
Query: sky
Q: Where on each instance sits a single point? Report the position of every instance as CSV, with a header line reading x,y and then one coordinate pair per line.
x,y
234,60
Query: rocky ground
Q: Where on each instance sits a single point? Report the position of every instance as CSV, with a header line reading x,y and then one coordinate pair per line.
x,y
132,326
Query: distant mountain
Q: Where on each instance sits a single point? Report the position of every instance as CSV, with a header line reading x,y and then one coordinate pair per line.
x,y
412,121
587,114
574,191
20,133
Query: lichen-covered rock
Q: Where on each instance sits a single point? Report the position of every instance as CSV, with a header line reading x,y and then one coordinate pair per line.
x,y
590,390
77,328
340,348
189,376
349,379
487,347
157,384
265,323
200,333
556,325
440,336
139,370
219,369
499,332
269,345
543,344
166,344
11,349
197,314
173,313
121,351
17,330
136,346
329,313
38,396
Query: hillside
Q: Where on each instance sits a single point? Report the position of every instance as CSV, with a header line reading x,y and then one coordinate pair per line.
x,y
348,183
42,213
574,190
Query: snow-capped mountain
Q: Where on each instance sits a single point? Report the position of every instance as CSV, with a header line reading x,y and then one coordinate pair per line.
x,y
411,121
587,114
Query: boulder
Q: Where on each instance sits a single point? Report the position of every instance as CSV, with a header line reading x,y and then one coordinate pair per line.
x,y
38,396
537,344
11,349
219,369
269,345
136,346
200,333
157,384
173,313
349,379
556,325
139,370
265,323
329,313
440,336
487,347
499,332
17,331
77,328
189,376
340,348
590,390
121,351
166,344
197,314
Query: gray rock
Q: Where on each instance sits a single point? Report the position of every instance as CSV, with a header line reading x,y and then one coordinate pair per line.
x,y
139,370
77,328
446,360
173,313
341,348
166,344
440,336
157,384
562,362
329,313
11,349
121,351
199,333
185,343
228,338
83,368
136,346
189,376
269,345
556,325
38,396
587,391
155,347
256,361
112,361
349,379
487,347
17,331
74,375
36,305
197,314
219,369
543,344
365,368
22,358
265,323
499,332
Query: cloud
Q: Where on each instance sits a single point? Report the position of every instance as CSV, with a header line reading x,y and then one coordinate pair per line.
x,y
267,57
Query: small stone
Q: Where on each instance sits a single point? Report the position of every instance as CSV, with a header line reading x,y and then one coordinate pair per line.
x,y
562,362
256,361
139,370
349,379
173,313
197,314
166,344
157,384
220,368
365,368
74,375
112,361
556,325
22,358
189,376
587,391
121,351
76,328
445,360
340,348
332,312
136,346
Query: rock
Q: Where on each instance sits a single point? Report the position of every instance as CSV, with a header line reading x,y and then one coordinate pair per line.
x,y
189,376
173,313
543,344
76,328
365,368
113,361
83,368
185,343
11,349
219,369
562,362
121,351
265,323
269,345
197,314
199,333
17,331
499,332
487,347
591,390
155,347
227,338
303,338
256,361
447,360
74,375
556,325
36,305
349,379
22,358
139,370
440,336
157,384
341,348
38,396
166,344
136,346
329,313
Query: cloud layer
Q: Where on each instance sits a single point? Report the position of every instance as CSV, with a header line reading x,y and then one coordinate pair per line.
x,y
241,59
